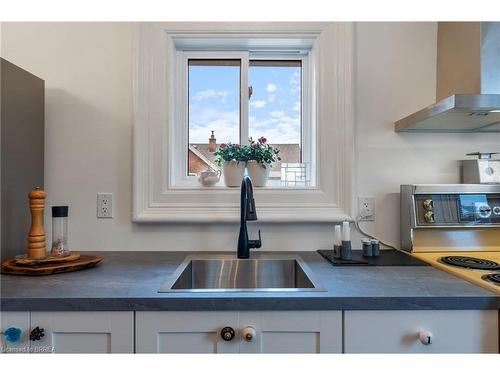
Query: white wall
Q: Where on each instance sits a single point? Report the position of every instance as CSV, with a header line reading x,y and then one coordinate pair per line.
x,y
396,76
88,72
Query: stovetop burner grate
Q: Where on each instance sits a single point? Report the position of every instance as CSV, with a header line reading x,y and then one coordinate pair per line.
x,y
492,278
470,262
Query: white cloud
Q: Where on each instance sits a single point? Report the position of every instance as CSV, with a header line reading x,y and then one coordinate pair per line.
x,y
296,107
277,114
258,103
277,128
271,87
295,83
271,98
210,93
224,123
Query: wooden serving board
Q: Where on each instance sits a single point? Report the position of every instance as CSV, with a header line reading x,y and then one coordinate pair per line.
x,y
85,261
22,260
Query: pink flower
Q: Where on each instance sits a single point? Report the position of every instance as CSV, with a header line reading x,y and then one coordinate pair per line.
x,y
236,145
263,140
254,145
222,146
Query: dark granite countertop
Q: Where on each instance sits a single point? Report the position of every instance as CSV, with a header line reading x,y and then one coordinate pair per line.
x,y
130,281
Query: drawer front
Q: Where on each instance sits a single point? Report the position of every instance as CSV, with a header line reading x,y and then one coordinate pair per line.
x,y
449,331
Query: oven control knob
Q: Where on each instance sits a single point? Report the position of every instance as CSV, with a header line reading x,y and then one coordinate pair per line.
x,y
496,210
484,211
227,333
249,333
429,217
426,337
428,204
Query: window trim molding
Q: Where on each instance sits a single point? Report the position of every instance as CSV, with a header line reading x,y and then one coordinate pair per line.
x,y
329,201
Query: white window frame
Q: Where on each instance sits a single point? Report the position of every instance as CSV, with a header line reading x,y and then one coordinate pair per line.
x,y
156,199
178,177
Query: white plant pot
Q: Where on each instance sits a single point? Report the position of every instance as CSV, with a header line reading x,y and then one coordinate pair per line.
x,y
258,172
233,172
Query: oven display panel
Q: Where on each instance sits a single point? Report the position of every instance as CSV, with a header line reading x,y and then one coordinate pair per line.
x,y
479,208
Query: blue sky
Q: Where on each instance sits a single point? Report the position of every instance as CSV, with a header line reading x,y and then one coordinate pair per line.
x,y
214,103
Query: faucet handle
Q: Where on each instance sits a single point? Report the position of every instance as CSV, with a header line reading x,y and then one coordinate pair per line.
x,y
255,244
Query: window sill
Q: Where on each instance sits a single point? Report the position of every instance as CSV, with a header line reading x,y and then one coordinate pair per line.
x,y
214,204
220,186
231,215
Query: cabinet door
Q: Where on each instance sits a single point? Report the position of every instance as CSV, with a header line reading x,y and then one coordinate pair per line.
x,y
454,331
15,319
292,332
84,332
184,332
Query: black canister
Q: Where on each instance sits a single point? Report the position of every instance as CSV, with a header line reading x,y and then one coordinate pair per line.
x,y
375,247
367,247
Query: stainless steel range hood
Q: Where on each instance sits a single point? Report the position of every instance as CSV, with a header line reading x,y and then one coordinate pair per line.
x,y
468,81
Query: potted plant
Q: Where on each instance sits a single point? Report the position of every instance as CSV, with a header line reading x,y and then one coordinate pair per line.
x,y
232,160
260,157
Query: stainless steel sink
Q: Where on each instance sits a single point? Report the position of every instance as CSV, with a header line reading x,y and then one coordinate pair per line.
x,y
226,273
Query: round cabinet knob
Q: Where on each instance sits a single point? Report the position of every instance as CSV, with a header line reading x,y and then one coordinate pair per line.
x,y
37,333
426,337
489,171
227,333
428,204
12,334
429,217
249,333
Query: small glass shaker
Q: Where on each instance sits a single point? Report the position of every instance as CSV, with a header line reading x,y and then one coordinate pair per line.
x,y
59,231
367,247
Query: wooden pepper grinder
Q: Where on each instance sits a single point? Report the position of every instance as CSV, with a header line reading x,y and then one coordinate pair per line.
x,y
36,236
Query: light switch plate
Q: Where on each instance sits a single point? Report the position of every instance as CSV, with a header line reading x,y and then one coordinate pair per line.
x,y
104,205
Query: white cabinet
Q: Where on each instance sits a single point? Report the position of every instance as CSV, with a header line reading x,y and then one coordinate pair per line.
x,y
292,331
84,332
183,332
456,331
70,332
19,320
275,332
449,331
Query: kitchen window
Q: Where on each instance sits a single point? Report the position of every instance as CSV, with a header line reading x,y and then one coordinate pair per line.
x,y
235,96
199,85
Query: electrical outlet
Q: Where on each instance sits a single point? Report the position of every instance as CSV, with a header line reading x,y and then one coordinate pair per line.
x,y
104,205
366,208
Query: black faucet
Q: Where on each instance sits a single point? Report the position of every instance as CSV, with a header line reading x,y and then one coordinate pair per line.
x,y
248,212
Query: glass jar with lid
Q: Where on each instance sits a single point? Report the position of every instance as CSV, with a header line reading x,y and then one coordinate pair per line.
x,y
59,231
